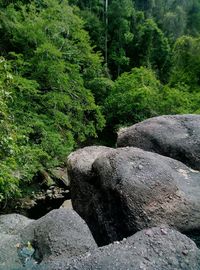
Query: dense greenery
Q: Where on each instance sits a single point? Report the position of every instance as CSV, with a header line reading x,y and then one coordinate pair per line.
x,y
68,69
50,60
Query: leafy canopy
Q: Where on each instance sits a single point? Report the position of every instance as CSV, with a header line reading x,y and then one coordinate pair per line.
x,y
51,62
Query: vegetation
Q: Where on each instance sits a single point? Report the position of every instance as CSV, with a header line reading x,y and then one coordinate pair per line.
x,y
70,69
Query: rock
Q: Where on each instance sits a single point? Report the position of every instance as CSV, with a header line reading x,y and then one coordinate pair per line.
x,y
146,250
59,232
195,236
38,203
9,257
60,176
83,191
46,201
176,136
80,161
67,204
13,223
129,189
11,244
23,245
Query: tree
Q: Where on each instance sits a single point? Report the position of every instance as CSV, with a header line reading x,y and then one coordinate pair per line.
x,y
174,18
149,47
52,63
186,62
175,22
8,183
193,22
138,95
119,34
18,159
133,98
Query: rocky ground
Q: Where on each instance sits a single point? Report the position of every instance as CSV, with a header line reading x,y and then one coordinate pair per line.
x,y
136,206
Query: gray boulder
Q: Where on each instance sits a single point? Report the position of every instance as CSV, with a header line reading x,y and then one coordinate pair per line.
x,y
13,223
9,256
176,136
152,249
83,191
59,232
129,189
10,227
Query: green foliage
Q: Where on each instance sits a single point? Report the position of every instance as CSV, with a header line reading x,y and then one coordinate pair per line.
x,y
175,18
193,23
49,105
101,88
186,67
120,13
95,26
19,160
8,183
175,100
138,95
133,98
186,62
129,38
150,47
196,102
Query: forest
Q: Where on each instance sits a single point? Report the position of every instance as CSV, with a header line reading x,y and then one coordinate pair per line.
x,y
73,72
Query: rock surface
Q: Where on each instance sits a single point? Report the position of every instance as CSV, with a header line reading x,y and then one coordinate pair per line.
x,y
10,227
152,249
129,189
176,136
60,176
13,223
46,201
67,204
24,242
59,232
9,257
83,191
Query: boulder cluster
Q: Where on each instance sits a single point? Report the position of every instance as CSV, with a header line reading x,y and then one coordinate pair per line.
x,y
136,206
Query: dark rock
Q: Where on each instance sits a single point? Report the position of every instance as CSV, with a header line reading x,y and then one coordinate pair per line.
x,y
61,231
46,201
129,189
83,190
38,203
176,136
195,236
148,250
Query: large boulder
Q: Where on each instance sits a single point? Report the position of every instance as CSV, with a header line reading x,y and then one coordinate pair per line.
x,y
83,191
59,232
176,136
9,256
10,227
13,223
152,249
129,189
